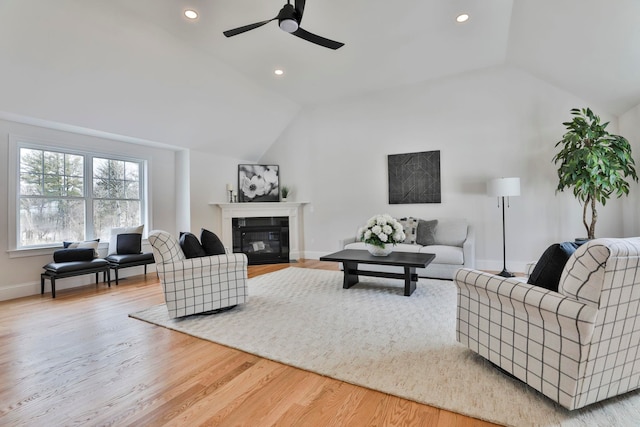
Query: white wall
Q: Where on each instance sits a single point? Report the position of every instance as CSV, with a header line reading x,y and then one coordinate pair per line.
x,y
487,124
20,276
209,176
629,125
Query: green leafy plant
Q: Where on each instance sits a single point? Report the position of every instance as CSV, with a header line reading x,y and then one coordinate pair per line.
x,y
594,163
285,190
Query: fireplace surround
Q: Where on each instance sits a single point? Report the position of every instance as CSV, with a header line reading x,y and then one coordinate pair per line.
x,y
291,210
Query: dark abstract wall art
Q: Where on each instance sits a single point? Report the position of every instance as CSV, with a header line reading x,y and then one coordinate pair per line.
x,y
414,178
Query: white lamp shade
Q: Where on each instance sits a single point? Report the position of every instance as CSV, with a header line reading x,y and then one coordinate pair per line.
x,y
503,187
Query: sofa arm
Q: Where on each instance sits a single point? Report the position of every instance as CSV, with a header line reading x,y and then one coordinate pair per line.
x,y
342,243
511,300
469,248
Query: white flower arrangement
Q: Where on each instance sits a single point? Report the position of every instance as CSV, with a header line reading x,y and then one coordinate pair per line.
x,y
380,230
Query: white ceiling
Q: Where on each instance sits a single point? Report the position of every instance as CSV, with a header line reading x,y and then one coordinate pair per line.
x,y
139,68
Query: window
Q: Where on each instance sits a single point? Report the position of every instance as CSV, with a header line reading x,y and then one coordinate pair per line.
x,y
65,195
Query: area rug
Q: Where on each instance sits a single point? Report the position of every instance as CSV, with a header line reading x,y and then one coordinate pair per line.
x,y
373,336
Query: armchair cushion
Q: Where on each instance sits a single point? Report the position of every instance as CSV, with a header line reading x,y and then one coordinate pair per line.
x,y
211,243
191,246
548,269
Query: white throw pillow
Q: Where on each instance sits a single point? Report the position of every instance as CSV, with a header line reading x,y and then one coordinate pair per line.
x,y
113,240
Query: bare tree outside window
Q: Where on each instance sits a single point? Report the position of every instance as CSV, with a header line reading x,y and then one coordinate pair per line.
x,y
51,197
55,194
116,194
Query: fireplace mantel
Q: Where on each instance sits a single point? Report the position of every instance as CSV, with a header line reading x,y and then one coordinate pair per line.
x,y
292,210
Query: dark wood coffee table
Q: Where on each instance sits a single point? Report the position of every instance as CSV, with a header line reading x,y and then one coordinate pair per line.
x,y
350,258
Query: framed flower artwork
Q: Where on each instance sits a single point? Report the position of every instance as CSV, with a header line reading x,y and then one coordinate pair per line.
x,y
258,183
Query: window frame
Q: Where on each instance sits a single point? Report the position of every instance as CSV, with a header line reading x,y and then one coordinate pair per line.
x,y
16,143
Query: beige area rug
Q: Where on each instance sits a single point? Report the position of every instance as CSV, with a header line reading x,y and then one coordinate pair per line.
x,y
371,335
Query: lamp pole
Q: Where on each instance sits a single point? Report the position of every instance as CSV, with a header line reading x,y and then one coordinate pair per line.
x,y
504,272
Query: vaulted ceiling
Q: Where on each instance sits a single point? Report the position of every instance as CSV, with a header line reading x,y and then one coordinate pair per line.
x,y
141,70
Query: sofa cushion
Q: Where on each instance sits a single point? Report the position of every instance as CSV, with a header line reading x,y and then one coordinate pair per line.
x,y
93,244
211,243
451,232
165,247
73,254
445,254
190,245
426,234
548,269
113,240
399,247
128,243
583,275
410,227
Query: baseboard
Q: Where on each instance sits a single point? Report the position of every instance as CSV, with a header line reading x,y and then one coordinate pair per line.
x,y
33,288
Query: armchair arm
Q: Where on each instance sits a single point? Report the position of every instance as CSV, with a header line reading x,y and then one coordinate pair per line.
x,y
511,301
202,267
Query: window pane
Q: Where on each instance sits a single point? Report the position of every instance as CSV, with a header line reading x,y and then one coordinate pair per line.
x,y
114,213
132,190
74,165
53,163
53,185
44,221
132,171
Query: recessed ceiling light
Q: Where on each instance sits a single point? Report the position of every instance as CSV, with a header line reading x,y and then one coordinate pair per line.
x,y
462,18
278,72
191,14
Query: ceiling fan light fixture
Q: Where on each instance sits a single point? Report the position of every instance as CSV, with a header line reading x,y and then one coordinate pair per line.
x,y
289,25
464,17
278,72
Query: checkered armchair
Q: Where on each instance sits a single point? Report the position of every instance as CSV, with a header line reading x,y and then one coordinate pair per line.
x,y
576,346
197,285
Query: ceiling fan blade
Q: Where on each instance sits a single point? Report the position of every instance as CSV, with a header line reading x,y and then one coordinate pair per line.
x,y
300,9
240,30
310,37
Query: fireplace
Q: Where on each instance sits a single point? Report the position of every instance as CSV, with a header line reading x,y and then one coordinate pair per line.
x,y
265,240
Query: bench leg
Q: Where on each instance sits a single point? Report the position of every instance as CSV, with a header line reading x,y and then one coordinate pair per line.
x,y
41,284
53,287
109,276
116,271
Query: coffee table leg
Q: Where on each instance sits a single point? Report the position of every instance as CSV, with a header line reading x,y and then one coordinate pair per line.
x,y
350,277
410,280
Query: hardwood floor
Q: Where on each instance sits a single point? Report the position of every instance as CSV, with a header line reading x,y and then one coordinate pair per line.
x,y
80,360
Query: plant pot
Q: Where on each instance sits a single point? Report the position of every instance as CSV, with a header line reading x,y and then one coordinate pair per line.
x,y
378,251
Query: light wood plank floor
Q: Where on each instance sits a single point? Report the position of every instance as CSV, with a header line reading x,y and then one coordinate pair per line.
x,y
80,360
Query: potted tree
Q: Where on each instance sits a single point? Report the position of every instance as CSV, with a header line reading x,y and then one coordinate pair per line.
x,y
594,163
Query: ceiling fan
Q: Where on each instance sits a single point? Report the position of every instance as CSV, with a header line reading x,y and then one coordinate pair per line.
x,y
289,19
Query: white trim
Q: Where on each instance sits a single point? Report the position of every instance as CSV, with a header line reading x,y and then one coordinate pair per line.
x,y
17,141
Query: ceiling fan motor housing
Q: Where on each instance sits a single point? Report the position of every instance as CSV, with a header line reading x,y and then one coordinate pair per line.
x,y
288,18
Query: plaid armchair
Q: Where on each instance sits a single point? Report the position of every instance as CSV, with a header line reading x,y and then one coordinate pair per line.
x,y
197,285
576,346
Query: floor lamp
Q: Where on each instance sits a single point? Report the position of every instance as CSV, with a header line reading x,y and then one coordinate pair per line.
x,y
501,188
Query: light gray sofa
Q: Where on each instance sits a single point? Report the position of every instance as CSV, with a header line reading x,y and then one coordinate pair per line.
x,y
454,248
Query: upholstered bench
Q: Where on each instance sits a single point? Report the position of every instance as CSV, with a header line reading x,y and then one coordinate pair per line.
x,y
73,262
117,262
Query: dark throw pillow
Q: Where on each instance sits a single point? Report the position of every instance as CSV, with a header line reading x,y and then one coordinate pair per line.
x,y
548,270
426,235
129,243
211,243
73,255
191,246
